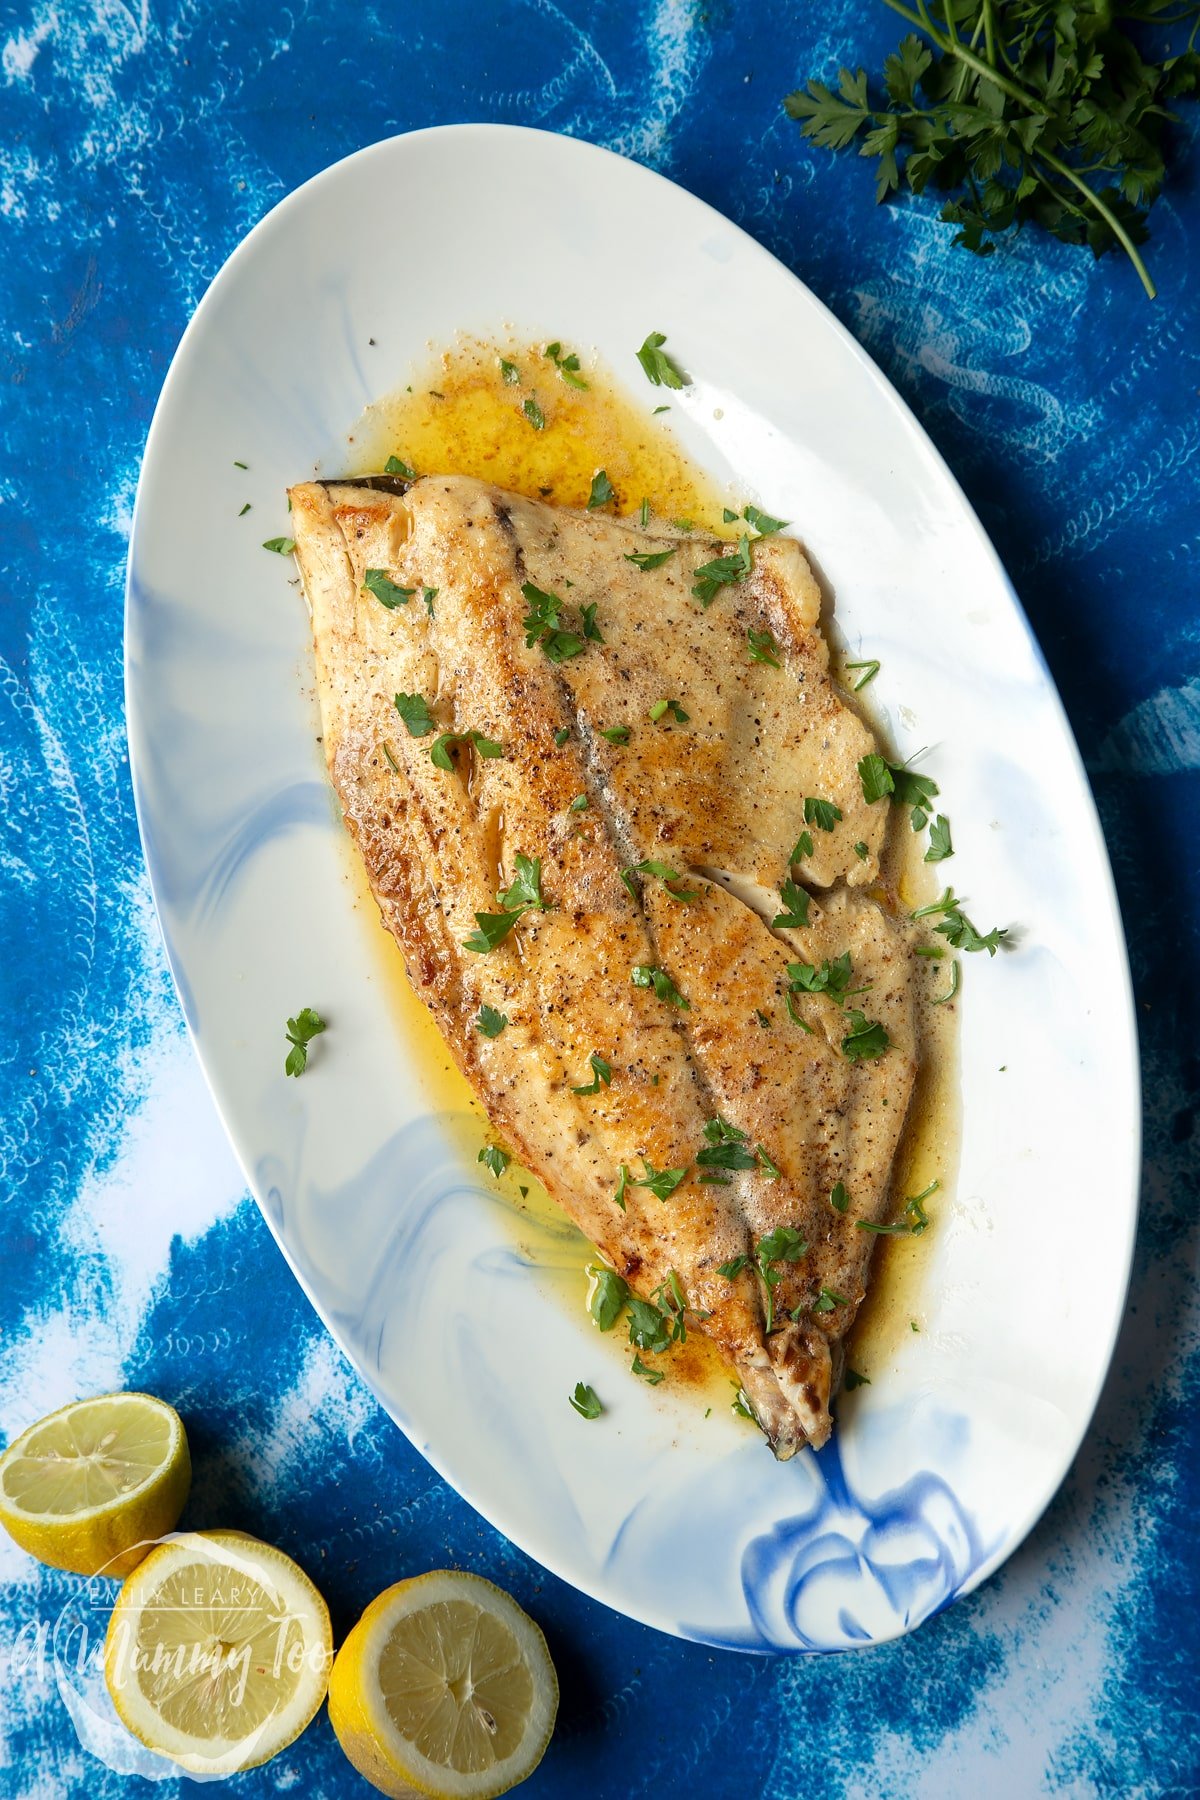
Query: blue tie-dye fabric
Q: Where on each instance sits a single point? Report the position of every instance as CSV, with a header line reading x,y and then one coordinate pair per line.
x,y
140,142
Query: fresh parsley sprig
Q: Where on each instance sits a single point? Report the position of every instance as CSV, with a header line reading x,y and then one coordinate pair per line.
x,y
523,895
300,1032
1022,112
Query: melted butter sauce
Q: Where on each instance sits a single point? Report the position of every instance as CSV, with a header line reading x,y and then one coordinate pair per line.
x,y
459,414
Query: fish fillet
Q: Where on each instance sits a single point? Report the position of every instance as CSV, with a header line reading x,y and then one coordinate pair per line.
x,y
711,790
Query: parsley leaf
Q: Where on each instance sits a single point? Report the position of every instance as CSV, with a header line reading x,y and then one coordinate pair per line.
x,y
534,414
712,576
616,734
579,803
852,1379
653,1376
821,813
661,1182
795,907
493,929
585,1401
762,647
648,1330
864,1041
940,846
827,1300
567,366
601,1072
300,1032
603,492
761,522
590,628
526,887
650,559
281,546
643,975
732,1269
657,366
783,1245
561,735
490,1023
801,848
543,625
661,708
607,1299
622,1184
395,466
880,778
510,375
429,595
912,1221
667,875
379,583
439,753
494,1159
861,851
833,977
414,710
876,777
839,1199
957,929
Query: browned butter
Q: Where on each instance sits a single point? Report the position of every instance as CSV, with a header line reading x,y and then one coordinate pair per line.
x,y
460,414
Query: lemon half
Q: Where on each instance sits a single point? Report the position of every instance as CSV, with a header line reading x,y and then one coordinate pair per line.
x,y
91,1487
444,1687
218,1651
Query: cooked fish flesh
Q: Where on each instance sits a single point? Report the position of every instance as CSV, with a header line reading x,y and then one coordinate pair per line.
x,y
644,746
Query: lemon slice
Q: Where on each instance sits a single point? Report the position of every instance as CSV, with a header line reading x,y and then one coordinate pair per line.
x,y
444,1687
218,1651
91,1487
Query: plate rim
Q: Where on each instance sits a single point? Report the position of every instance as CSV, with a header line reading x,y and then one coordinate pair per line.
x,y
1017,1533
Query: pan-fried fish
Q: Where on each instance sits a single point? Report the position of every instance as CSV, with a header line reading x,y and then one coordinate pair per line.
x,y
604,788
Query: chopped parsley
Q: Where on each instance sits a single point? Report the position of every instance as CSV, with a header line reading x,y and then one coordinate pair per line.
x,y
783,1245
622,1184
740,1404
832,978
794,900
616,734
579,803
543,625
414,710
561,736
912,1221
644,975
439,753
763,1018
865,1040
761,522
726,1147
429,596
940,845
603,492
396,466
821,813
392,763
648,1329
300,1032
567,366
493,929
839,1199
955,980
957,929
510,375
871,670
494,1159
880,778
241,465
244,510
801,848
524,893
644,511
861,851
281,546
534,414
606,1302
601,1072
650,559
827,1300
661,1182
661,708
379,583
658,367
590,628
653,1376
585,1401
666,874
762,647
490,1023
721,572
852,1379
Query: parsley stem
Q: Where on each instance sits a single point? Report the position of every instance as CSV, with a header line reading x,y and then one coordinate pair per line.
x,y
950,45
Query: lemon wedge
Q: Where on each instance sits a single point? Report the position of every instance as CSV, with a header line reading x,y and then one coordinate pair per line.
x,y
218,1651
91,1487
444,1687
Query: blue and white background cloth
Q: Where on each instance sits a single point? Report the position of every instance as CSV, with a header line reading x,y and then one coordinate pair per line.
x,y
139,141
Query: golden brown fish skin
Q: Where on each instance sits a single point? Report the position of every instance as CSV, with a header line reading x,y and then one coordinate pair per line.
x,y
724,792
